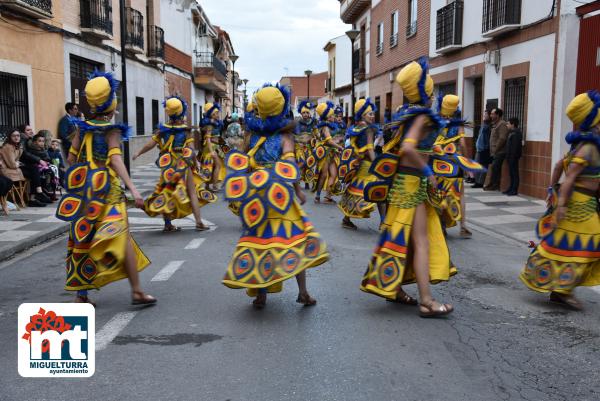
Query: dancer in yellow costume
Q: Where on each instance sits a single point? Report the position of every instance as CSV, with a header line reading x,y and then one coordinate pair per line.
x,y
355,164
452,165
568,254
325,158
211,158
100,249
278,241
411,246
180,190
305,132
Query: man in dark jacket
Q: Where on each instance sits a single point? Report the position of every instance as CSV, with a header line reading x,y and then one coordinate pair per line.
x,y
514,150
498,138
66,125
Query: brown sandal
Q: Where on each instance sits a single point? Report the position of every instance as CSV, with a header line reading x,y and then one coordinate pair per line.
x,y
143,299
568,301
317,199
171,229
80,299
465,233
328,200
442,310
404,299
202,227
260,303
306,300
349,225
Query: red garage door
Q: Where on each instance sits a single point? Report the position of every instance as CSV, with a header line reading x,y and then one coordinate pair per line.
x,y
588,59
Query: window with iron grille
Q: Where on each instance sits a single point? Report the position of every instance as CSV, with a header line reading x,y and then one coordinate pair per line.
x,y
155,120
497,13
394,29
379,49
14,102
139,116
411,27
514,100
449,22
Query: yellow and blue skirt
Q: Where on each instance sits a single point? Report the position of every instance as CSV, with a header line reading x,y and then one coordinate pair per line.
x,y
278,241
452,187
353,203
391,264
98,241
208,162
568,255
170,197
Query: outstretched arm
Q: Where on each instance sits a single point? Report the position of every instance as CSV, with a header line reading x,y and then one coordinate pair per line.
x,y
147,147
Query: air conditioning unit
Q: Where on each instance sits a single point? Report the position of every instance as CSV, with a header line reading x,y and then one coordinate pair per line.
x,y
492,57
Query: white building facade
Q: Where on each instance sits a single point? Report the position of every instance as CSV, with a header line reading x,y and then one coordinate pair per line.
x,y
339,69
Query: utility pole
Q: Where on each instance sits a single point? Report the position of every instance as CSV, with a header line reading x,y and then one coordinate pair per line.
x,y
123,25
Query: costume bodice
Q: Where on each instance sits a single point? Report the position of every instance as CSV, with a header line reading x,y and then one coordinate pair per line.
x,y
98,130
270,151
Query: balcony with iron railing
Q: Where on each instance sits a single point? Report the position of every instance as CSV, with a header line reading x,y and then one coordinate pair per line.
x,y
449,26
41,9
96,18
500,16
379,49
156,44
350,10
134,38
210,72
394,40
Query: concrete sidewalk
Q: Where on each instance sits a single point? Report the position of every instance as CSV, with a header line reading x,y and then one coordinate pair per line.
x,y
510,216
31,226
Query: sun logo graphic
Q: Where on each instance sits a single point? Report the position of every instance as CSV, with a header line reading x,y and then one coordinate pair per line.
x,y
56,340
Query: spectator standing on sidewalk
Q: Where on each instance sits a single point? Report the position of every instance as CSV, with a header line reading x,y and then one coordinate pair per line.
x,y
498,137
514,150
483,149
66,125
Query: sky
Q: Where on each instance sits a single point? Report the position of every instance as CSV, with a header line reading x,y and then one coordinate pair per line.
x,y
275,38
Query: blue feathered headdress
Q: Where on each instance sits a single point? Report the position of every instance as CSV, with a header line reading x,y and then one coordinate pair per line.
x,y
423,79
272,124
183,112
307,104
339,110
206,120
594,97
114,85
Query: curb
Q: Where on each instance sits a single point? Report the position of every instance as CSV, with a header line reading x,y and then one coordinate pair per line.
x,y
33,241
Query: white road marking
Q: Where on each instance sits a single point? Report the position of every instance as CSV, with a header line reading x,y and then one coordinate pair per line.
x,y
168,270
112,328
195,243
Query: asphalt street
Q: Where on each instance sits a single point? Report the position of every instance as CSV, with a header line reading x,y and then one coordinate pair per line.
x,y
204,341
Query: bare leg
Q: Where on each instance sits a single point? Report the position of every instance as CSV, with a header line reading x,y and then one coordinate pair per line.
x,y
303,296
216,170
420,244
332,175
191,189
321,181
133,275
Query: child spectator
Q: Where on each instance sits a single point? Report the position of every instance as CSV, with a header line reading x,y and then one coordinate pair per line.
x,y
48,178
514,150
56,159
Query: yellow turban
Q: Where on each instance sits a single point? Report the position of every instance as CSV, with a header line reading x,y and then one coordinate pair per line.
x,y
583,110
270,102
99,92
174,107
325,110
209,108
414,87
363,106
449,105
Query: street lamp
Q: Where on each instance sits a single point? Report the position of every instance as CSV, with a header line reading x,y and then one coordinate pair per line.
x,y
245,81
352,35
308,73
123,85
233,59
